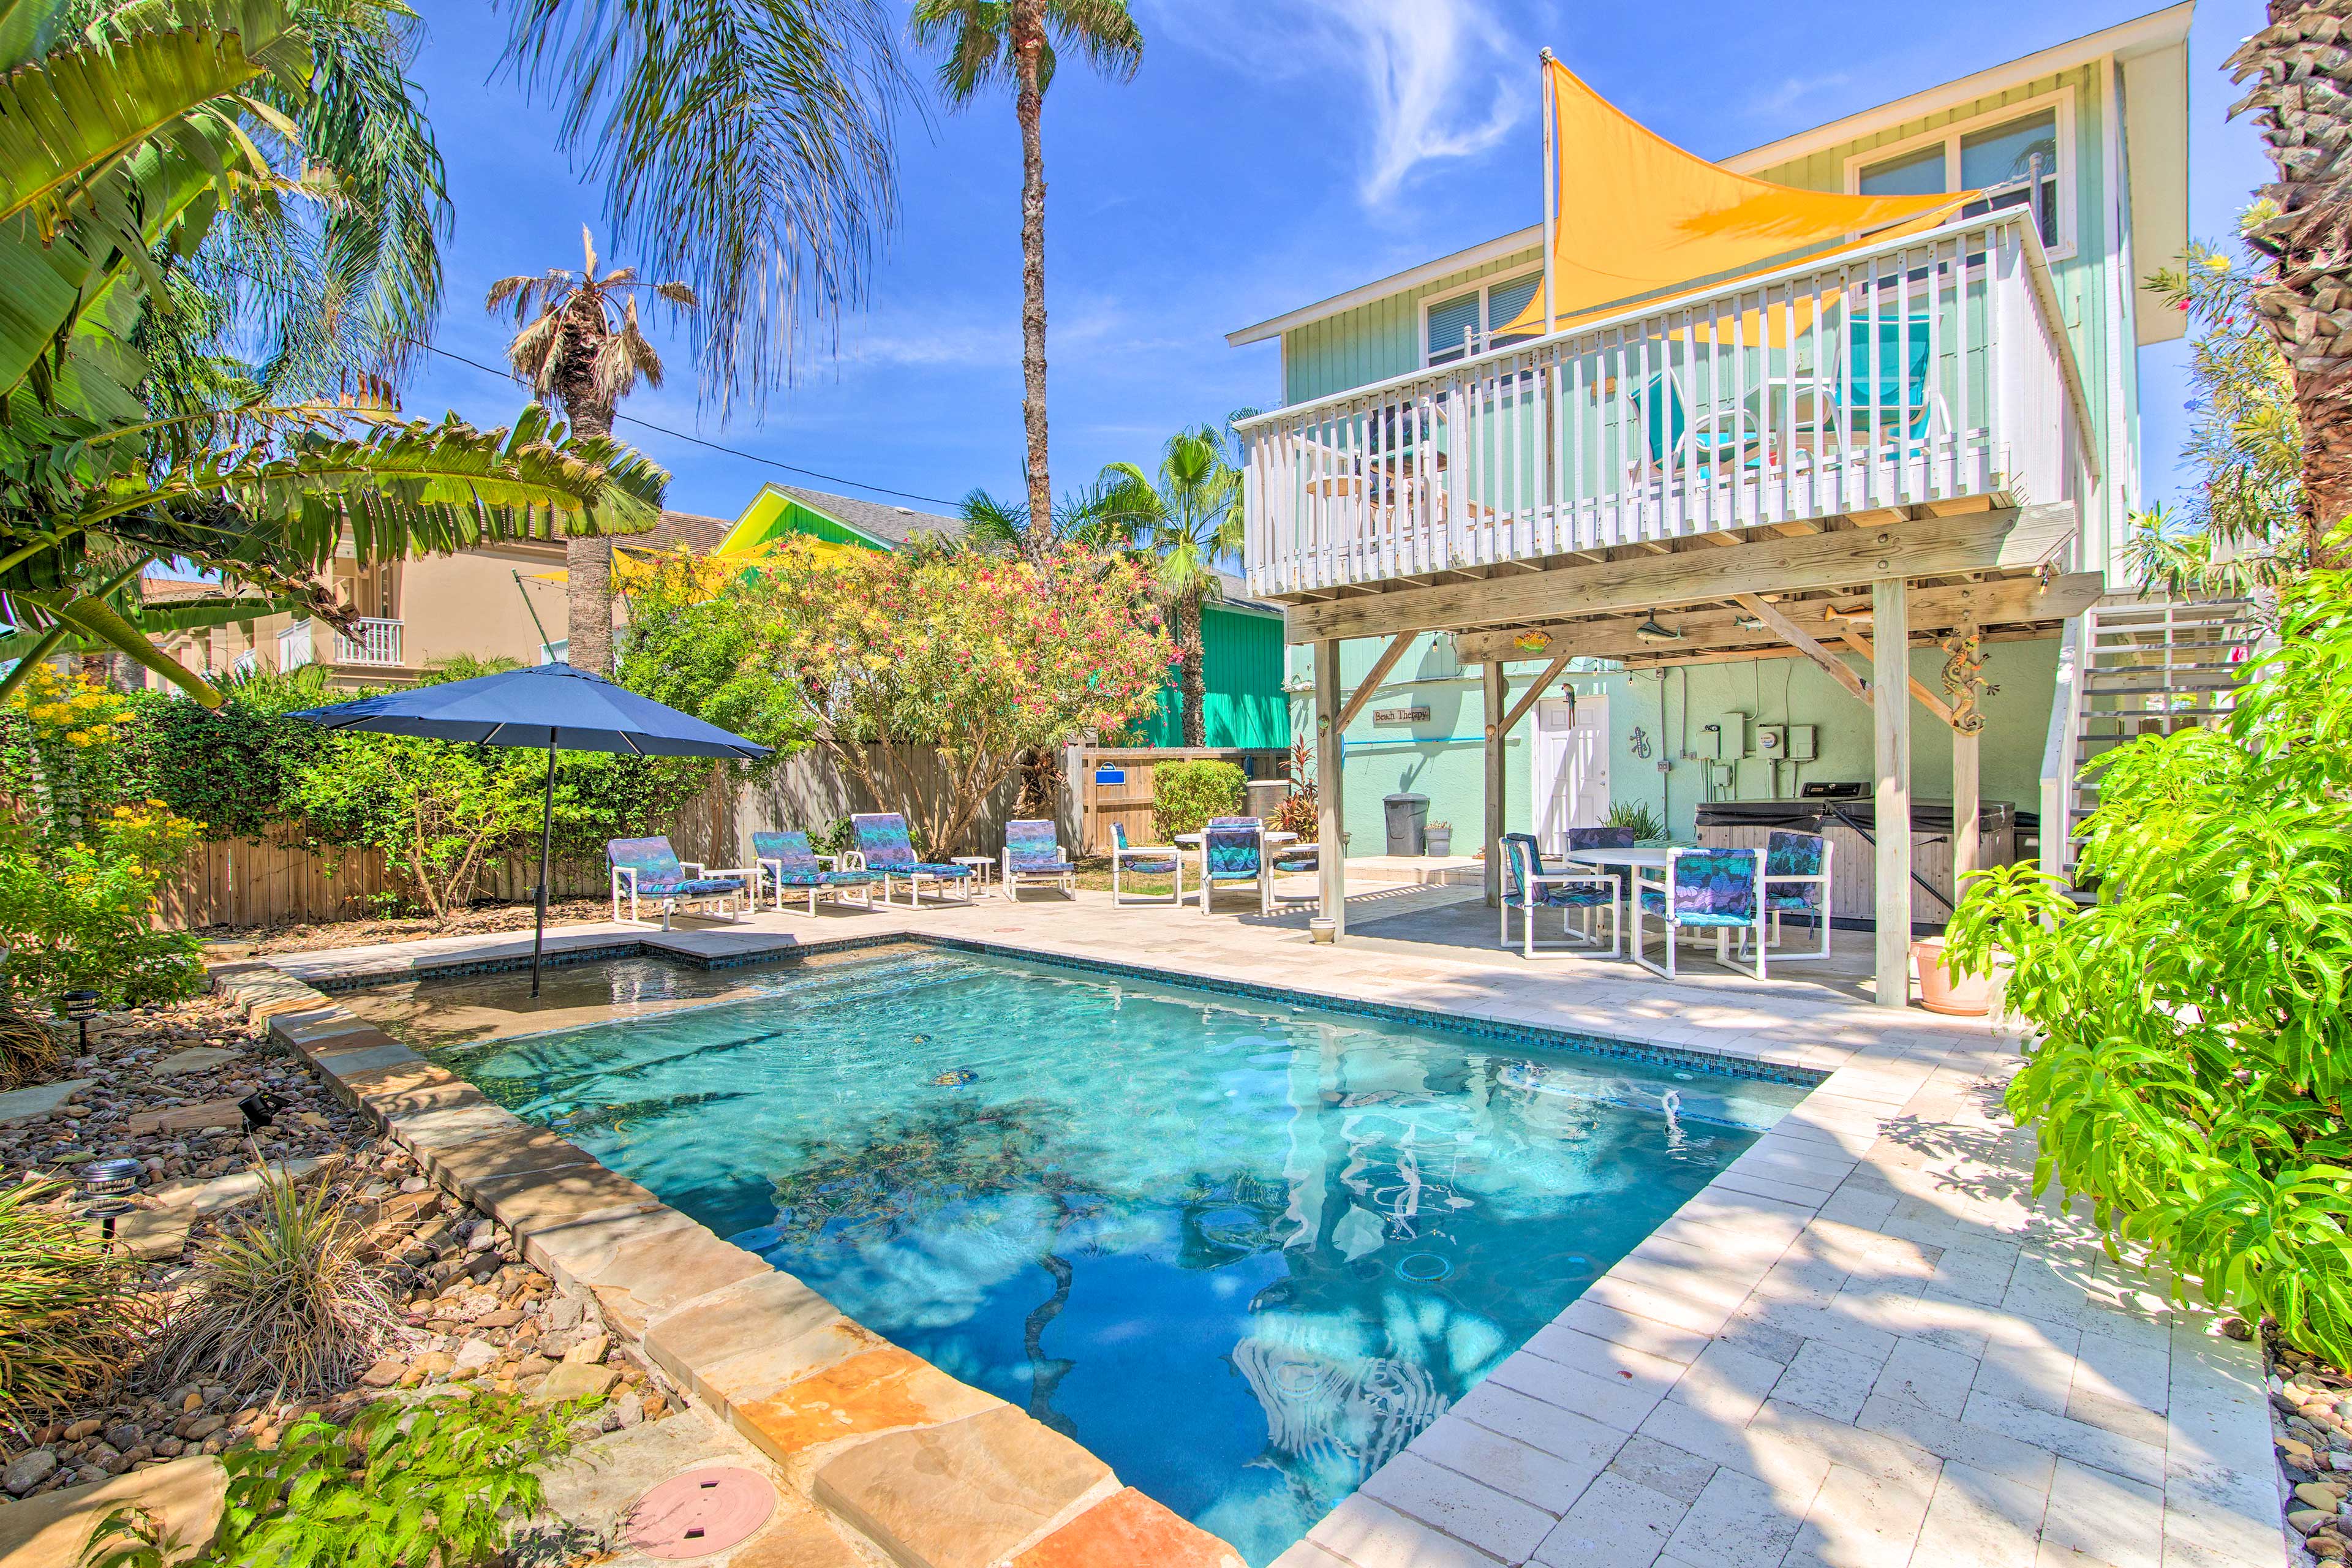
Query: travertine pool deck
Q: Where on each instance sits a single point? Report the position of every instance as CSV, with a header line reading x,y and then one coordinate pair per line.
x,y
1865,1342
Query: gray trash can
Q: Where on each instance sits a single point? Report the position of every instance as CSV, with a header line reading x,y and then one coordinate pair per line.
x,y
1266,796
1408,820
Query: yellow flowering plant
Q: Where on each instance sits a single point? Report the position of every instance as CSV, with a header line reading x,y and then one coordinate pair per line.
x,y
82,871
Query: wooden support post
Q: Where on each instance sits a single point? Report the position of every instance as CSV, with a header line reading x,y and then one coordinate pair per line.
x,y
1890,687
1371,683
1967,786
1495,685
1330,789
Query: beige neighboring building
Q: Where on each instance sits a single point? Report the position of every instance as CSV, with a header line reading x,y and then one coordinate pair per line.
x,y
415,614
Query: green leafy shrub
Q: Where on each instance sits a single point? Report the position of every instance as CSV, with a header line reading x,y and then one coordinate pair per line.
x,y
1185,795
443,1484
79,916
231,767
281,1297
69,1315
2195,1051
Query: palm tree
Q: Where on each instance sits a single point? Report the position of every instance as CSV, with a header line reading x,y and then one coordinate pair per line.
x,y
577,356
999,526
1190,516
133,138
2305,226
985,43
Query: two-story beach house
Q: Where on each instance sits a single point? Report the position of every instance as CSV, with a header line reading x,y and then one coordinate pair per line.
x,y
1786,490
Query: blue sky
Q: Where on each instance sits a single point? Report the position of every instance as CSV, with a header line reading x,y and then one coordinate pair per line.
x,y
1269,154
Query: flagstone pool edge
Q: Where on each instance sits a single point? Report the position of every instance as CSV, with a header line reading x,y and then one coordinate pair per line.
x,y
933,1472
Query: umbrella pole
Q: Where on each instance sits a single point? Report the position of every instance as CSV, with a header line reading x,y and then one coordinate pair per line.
x,y
546,841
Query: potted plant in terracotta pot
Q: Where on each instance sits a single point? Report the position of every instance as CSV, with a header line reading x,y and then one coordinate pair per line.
x,y
1943,989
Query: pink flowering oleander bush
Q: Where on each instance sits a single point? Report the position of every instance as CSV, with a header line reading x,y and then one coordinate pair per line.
x,y
890,656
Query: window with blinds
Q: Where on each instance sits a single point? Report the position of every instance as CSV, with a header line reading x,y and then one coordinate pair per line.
x,y
1465,323
1453,325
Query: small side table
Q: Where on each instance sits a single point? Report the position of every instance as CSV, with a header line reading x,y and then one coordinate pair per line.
x,y
982,865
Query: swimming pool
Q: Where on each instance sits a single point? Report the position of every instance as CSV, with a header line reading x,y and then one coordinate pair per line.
x,y
1241,1251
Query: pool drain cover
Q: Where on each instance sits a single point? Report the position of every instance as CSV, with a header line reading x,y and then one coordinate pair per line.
x,y
1423,1269
699,1512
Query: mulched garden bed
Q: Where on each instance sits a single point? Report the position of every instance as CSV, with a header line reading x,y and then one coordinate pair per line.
x,y
263,941
473,1312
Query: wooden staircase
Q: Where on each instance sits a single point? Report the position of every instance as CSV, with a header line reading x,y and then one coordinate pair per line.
x,y
2152,668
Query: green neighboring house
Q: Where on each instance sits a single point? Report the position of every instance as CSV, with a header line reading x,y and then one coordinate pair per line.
x,y
1241,639
1241,659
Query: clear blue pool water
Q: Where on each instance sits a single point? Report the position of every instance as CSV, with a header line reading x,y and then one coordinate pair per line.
x,y
1241,1251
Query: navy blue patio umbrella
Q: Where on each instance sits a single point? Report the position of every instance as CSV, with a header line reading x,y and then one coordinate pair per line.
x,y
553,706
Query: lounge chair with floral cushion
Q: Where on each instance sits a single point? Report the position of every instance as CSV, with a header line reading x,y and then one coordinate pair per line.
x,y
786,860
1033,853
1720,891
885,848
650,869
1143,860
1233,849
1529,886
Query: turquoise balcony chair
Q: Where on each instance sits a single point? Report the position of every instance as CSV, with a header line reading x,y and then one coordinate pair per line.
x,y
1032,855
1232,851
1529,885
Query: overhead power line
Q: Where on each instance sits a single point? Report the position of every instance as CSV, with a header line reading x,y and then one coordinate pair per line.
x,y
698,441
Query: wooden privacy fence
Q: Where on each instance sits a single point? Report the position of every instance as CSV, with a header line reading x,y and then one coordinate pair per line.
x,y
1114,786
257,881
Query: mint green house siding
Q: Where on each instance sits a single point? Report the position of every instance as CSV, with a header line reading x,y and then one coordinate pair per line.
x,y
2092,274
2091,270
1440,756
1242,661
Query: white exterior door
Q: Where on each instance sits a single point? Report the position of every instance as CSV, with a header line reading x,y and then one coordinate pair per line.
x,y
1571,763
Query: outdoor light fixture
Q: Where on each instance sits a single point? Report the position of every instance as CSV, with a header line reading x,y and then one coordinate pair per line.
x,y
1651,631
82,1007
113,1180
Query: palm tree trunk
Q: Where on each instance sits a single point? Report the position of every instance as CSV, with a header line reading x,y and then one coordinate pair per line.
x,y
1028,29
2307,303
1192,684
588,569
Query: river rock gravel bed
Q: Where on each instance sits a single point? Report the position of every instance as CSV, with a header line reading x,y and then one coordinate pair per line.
x,y
473,1313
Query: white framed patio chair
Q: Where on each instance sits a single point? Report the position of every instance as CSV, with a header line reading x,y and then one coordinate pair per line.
x,y
1143,860
1033,854
1233,850
1529,888
650,869
1797,882
885,848
786,860
1721,891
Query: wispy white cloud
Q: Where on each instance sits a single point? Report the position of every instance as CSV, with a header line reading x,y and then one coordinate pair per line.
x,y
1438,80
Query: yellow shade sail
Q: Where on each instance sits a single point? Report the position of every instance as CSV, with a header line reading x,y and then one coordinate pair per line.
x,y
1633,216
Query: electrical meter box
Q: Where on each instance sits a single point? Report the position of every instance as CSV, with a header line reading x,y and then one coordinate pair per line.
x,y
1801,744
1771,742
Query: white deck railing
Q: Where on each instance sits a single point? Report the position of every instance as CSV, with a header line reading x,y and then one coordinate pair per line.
x,y
294,646
1924,369
378,643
